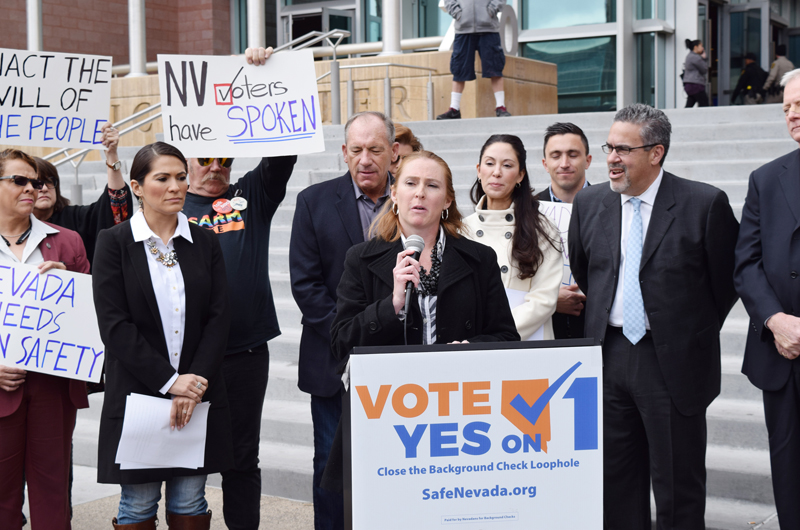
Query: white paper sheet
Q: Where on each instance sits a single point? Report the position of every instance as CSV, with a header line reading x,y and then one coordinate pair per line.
x,y
148,442
515,298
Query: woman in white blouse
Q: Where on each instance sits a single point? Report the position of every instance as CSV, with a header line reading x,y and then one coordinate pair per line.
x,y
162,305
527,244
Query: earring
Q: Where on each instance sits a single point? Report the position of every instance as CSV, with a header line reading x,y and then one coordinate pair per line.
x,y
141,203
519,185
395,209
445,214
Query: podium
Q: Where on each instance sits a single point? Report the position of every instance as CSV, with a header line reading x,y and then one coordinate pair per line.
x,y
483,435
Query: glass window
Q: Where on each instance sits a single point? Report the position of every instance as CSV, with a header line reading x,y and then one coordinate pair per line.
x,y
540,14
433,22
647,9
646,68
373,10
240,42
745,38
776,7
793,50
587,71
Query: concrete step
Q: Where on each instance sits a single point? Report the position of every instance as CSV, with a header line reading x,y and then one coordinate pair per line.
x,y
282,385
737,423
739,474
287,422
728,514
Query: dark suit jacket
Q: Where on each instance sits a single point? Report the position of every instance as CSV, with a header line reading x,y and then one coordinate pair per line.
x,y
565,326
768,264
471,301
686,275
326,224
67,247
137,360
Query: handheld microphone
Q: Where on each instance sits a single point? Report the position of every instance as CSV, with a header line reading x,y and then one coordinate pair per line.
x,y
418,244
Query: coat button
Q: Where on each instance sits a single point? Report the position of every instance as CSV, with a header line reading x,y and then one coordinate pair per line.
x,y
481,218
508,235
504,269
373,326
509,217
468,324
793,274
479,233
607,310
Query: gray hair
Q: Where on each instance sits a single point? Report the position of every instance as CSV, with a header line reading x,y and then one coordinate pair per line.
x,y
788,76
656,128
379,115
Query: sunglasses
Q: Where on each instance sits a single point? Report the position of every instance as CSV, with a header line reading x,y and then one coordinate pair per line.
x,y
224,162
19,180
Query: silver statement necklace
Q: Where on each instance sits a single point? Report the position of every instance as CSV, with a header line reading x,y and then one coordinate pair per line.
x,y
169,260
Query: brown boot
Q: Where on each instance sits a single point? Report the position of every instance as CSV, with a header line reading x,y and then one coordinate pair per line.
x,y
189,522
150,524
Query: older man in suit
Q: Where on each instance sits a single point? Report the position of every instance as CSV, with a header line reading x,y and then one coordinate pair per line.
x,y
766,277
330,217
654,254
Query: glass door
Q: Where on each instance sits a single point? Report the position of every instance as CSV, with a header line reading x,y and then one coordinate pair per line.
x,y
338,19
745,30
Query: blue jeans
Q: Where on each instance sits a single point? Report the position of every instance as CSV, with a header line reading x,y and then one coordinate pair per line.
x,y
246,376
328,505
185,496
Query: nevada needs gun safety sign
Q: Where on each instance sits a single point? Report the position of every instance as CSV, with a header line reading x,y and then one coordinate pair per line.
x,y
486,439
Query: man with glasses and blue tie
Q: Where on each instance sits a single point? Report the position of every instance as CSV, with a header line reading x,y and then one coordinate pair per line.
x,y
654,254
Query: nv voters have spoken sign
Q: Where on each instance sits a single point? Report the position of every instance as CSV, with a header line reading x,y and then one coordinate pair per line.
x,y
50,99
48,323
222,107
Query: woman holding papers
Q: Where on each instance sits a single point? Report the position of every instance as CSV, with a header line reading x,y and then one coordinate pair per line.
x,y
527,244
114,205
162,307
37,411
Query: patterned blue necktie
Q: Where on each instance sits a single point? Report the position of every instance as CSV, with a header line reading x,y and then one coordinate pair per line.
x,y
633,307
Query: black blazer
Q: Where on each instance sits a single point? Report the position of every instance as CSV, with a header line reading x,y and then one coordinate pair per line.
x,y
686,274
471,301
767,264
565,326
326,224
137,359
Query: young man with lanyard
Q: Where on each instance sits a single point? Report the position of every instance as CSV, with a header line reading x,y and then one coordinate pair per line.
x,y
241,215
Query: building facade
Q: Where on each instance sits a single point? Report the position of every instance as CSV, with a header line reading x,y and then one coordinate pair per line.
x,y
609,52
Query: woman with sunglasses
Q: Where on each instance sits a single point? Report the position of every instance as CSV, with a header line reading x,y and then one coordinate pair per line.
x,y
37,411
114,205
161,298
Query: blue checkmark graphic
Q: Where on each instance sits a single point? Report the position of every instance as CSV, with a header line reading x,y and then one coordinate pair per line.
x,y
532,413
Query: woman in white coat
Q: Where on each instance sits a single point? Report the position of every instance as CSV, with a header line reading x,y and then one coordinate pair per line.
x,y
527,244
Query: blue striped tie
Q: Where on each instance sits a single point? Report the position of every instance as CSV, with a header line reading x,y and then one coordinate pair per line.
x,y
633,326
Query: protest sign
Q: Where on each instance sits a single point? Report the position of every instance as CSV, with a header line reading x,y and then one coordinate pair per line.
x,y
48,323
215,106
508,436
50,99
560,213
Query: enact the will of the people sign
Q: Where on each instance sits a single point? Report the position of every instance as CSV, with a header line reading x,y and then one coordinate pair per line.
x,y
488,438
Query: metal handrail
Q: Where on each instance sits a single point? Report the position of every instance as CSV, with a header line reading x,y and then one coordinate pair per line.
x,y
315,37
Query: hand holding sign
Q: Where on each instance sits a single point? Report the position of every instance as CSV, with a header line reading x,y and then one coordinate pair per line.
x,y
257,56
11,378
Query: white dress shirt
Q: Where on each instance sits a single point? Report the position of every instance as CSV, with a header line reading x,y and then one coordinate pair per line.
x,y
646,209
31,255
168,286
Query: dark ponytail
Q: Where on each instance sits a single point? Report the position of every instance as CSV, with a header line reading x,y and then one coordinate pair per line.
x,y
690,44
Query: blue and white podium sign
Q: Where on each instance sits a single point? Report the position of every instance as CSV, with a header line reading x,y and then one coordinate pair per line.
x,y
504,433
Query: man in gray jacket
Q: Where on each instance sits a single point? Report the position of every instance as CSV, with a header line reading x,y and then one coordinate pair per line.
x,y
477,29
781,66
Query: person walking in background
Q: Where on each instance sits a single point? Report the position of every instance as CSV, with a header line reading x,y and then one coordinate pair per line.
x,y
527,245
751,82
162,308
477,29
694,74
407,143
37,411
241,214
654,254
780,67
566,159
766,275
113,206
330,217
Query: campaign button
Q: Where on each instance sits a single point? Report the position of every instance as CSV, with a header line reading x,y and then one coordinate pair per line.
x,y
222,206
